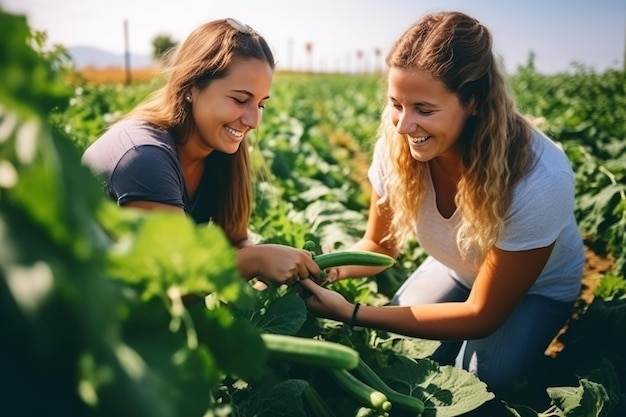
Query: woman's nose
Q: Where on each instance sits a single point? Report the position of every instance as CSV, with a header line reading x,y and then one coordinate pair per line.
x,y
251,117
405,123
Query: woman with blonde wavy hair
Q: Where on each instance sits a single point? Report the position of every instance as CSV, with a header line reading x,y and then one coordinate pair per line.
x,y
488,197
184,149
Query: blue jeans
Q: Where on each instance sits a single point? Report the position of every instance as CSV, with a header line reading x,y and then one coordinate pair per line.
x,y
513,348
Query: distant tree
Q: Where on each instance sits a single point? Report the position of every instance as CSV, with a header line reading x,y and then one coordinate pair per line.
x,y
161,44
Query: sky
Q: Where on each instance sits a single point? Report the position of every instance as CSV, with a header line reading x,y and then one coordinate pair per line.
x,y
557,32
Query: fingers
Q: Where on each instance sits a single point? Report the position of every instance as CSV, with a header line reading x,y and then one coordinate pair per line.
x,y
304,289
310,268
309,285
329,277
326,248
303,272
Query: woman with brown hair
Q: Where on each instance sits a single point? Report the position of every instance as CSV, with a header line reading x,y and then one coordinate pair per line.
x,y
184,149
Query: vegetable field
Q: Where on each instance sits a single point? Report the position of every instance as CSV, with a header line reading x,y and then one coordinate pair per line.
x,y
110,312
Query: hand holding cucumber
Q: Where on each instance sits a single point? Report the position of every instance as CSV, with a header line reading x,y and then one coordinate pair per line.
x,y
329,262
325,303
279,264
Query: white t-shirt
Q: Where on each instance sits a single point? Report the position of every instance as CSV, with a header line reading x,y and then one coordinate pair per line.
x,y
542,211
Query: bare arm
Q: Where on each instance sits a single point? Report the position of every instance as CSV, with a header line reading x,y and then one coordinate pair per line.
x,y
503,280
277,264
378,224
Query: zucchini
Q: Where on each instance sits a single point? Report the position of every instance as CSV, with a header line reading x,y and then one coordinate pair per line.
x,y
365,394
313,352
362,258
367,375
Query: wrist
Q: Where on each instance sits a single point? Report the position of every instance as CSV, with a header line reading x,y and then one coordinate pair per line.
x,y
247,262
354,317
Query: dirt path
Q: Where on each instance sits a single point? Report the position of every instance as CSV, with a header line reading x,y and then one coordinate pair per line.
x,y
595,267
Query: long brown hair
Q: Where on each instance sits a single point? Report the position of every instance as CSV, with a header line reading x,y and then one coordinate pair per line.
x,y
206,55
456,49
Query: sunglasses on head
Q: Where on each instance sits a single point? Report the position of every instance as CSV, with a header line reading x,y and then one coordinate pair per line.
x,y
239,26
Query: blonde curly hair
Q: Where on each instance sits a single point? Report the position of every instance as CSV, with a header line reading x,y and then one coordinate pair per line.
x,y
496,150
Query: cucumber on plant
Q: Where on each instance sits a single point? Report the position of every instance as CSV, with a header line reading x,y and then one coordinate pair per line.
x,y
310,246
362,258
362,392
367,375
313,352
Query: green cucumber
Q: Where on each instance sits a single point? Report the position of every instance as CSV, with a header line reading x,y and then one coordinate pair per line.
x,y
310,246
367,375
362,258
365,394
311,352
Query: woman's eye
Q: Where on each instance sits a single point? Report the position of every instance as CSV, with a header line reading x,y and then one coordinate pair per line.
x,y
239,101
425,112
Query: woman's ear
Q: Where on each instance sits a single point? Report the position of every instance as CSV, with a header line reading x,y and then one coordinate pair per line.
x,y
471,106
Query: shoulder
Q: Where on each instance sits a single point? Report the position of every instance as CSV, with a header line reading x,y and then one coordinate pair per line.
x,y
129,140
549,156
550,180
137,133
128,134
550,165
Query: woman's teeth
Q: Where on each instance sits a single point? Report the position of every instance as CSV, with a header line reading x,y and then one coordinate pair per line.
x,y
233,132
419,139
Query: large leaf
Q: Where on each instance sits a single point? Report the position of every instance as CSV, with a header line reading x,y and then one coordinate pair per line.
x,y
285,315
586,400
446,391
170,251
236,344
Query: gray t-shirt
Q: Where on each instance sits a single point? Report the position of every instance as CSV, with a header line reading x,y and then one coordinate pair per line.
x,y
542,211
138,161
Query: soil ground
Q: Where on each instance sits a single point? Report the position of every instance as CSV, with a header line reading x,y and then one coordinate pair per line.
x,y
595,267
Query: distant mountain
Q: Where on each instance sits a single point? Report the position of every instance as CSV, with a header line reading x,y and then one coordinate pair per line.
x,y
87,56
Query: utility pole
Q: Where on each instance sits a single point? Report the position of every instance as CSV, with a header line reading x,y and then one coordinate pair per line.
x,y
290,55
126,53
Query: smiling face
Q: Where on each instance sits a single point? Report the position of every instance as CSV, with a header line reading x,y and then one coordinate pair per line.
x,y
431,117
230,106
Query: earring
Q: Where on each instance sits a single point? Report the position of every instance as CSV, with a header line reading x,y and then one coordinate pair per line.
x,y
188,98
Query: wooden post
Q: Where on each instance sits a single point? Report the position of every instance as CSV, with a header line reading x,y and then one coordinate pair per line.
x,y
126,53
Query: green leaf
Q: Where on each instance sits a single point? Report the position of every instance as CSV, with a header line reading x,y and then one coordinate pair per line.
x,y
170,251
236,344
586,400
285,315
283,399
446,391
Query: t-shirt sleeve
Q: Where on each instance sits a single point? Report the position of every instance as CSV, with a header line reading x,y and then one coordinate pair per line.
x,y
147,173
375,172
541,209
